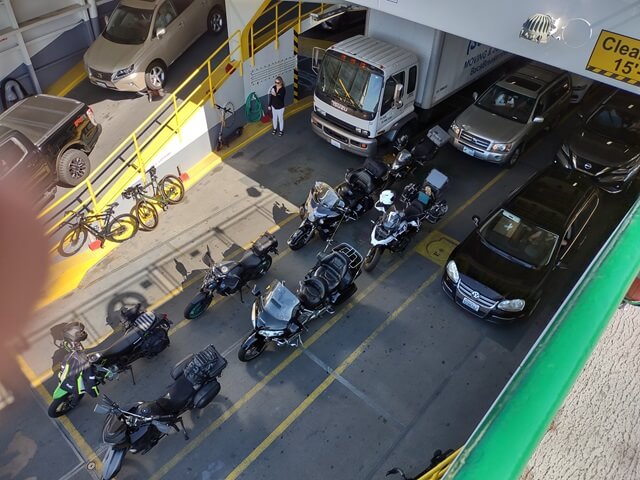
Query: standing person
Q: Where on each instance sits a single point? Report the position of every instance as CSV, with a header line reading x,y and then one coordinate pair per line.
x,y
276,105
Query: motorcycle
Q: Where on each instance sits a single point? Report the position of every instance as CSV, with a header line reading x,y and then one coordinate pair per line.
x,y
402,219
279,316
408,161
325,207
139,428
228,277
142,334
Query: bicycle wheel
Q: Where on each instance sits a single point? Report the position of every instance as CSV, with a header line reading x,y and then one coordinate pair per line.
x,y
228,114
122,228
172,189
72,241
146,214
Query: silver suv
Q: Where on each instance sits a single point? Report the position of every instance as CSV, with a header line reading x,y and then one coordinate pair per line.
x,y
144,37
498,125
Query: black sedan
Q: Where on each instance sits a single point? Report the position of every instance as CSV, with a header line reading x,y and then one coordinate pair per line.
x,y
607,145
498,272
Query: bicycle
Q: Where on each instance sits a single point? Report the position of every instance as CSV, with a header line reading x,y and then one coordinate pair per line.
x,y
226,112
115,228
168,191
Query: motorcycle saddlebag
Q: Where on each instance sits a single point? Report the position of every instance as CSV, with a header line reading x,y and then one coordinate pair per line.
x,y
205,366
265,243
207,393
155,342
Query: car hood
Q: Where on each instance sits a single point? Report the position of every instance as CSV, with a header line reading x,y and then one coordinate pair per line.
x,y
107,56
601,150
504,277
489,125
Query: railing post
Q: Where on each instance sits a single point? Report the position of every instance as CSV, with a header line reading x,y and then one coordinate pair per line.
x,y
299,15
139,158
210,85
252,45
92,195
277,18
175,109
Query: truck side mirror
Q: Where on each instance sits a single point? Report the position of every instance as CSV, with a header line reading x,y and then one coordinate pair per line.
x,y
397,96
538,119
316,58
475,96
476,220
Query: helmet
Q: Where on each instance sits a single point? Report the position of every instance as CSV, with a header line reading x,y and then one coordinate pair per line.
x,y
387,197
75,333
130,313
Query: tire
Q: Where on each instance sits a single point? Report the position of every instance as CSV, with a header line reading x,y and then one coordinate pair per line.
x,y
514,157
155,76
228,114
197,306
216,20
172,189
251,348
73,167
112,462
122,228
299,238
63,405
372,258
72,242
146,214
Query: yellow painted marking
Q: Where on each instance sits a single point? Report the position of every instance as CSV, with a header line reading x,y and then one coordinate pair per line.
x,y
300,409
196,442
68,81
87,452
437,247
616,56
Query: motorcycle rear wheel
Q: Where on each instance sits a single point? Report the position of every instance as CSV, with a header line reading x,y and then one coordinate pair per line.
x,y
198,305
372,258
63,405
251,348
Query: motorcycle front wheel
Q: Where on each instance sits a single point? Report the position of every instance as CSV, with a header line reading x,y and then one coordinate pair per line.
x,y
63,405
112,462
198,305
251,348
372,258
299,238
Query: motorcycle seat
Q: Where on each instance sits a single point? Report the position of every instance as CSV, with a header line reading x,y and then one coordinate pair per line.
x,y
177,396
312,292
329,276
415,210
116,344
335,261
250,260
361,180
376,168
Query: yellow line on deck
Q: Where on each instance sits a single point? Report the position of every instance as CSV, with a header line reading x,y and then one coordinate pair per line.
x,y
68,81
331,377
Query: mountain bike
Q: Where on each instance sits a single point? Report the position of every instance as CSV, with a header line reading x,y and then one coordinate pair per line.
x,y
168,191
226,112
117,228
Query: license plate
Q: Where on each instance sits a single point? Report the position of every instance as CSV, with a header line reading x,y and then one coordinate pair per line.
x,y
471,304
336,143
101,84
469,151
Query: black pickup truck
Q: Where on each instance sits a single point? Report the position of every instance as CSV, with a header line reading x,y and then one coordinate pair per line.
x,y
46,140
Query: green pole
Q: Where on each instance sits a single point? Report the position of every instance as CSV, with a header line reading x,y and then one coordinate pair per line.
x,y
505,439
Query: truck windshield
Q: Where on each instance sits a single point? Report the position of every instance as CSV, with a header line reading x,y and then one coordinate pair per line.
x,y
507,103
349,83
128,25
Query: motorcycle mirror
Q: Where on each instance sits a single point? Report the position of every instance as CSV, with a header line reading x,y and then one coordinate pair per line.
x,y
207,259
162,427
476,220
101,409
255,290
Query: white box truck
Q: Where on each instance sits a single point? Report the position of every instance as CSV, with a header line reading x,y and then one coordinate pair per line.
x,y
368,89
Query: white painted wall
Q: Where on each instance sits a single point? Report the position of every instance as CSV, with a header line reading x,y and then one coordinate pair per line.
x,y
498,22
239,12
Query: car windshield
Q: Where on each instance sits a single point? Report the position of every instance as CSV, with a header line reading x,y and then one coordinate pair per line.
x,y
507,103
128,25
519,239
350,84
619,121
325,195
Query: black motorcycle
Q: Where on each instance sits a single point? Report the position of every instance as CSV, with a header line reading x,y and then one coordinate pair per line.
x,y
139,428
142,334
403,218
228,277
325,207
406,162
279,316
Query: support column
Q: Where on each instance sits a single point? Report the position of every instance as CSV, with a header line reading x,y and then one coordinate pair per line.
x,y
296,88
23,48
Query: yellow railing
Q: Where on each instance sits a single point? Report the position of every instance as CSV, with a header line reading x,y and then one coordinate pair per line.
x,y
439,470
139,148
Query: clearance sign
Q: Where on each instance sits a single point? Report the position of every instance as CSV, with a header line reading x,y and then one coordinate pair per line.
x,y
616,56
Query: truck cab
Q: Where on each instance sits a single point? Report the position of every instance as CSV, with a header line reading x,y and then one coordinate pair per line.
x,y
365,93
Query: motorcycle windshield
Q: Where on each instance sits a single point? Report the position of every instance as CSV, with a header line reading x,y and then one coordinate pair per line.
x,y
392,219
277,308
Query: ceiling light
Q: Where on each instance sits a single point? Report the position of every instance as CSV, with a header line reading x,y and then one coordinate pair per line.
x,y
539,27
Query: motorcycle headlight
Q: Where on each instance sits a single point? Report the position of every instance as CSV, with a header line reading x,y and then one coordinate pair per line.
x,y
123,73
271,333
452,271
93,357
501,147
455,128
515,305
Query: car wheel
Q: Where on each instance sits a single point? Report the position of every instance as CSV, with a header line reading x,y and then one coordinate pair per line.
x,y
73,167
156,75
216,20
514,157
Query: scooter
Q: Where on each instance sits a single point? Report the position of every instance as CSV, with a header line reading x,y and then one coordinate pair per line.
x,y
228,277
139,428
142,334
279,316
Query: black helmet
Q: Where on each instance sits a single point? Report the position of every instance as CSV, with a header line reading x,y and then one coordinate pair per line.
x,y
130,313
75,333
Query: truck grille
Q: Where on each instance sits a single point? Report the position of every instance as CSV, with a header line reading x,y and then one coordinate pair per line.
x,y
474,140
481,300
100,75
336,135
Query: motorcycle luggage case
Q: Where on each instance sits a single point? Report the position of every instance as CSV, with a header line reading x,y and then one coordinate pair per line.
x,y
436,180
205,365
265,243
207,393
